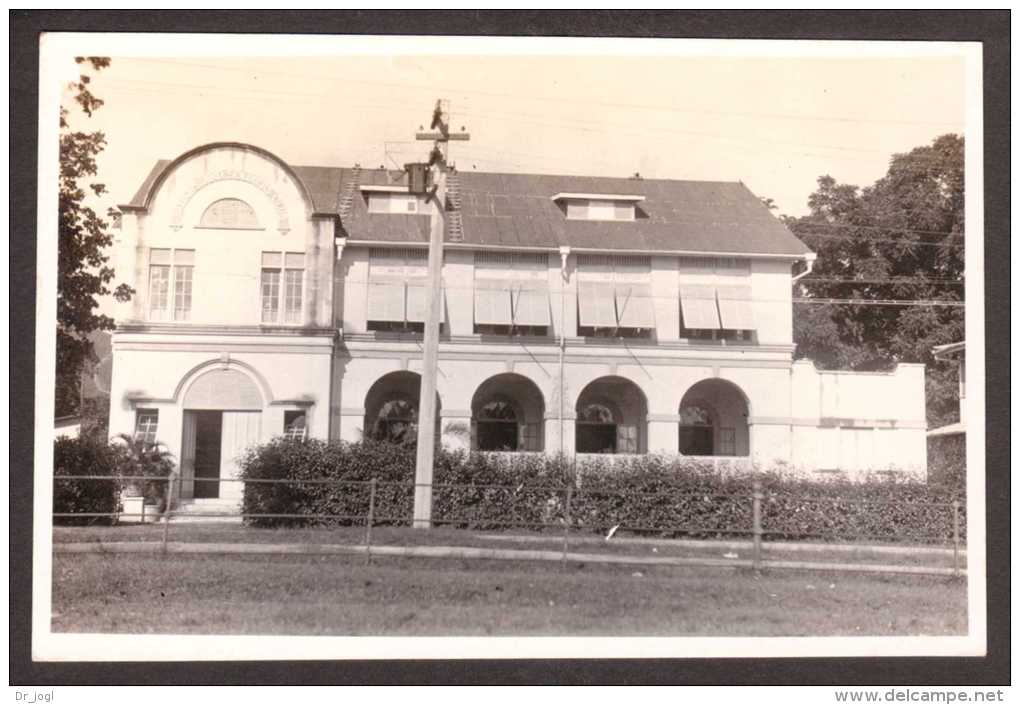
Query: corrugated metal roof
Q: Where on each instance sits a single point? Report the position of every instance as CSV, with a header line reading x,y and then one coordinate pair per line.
x,y
517,210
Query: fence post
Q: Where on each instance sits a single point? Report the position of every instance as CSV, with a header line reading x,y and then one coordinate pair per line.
x,y
956,537
168,499
370,520
756,497
566,524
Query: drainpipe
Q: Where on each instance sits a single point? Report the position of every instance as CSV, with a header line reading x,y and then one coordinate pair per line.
x,y
564,254
810,261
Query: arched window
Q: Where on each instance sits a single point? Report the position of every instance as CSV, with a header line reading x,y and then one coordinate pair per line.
x,y
596,429
596,413
697,432
231,213
397,421
498,426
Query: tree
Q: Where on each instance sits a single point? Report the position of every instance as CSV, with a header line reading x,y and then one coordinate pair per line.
x,y
900,238
83,273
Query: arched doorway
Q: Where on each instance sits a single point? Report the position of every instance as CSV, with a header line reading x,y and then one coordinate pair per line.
x,y
508,414
221,418
713,420
611,417
391,408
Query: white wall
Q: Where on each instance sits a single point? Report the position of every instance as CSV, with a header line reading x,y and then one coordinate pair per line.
x,y
227,263
768,279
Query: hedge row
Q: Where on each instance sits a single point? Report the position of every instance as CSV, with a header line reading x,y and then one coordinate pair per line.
x,y
648,494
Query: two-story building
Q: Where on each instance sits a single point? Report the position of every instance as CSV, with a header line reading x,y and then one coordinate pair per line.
x,y
581,315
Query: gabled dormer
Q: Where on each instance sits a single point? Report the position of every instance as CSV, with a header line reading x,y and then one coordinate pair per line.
x,y
599,206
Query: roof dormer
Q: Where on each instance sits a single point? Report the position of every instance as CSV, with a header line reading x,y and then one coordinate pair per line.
x,y
599,206
393,199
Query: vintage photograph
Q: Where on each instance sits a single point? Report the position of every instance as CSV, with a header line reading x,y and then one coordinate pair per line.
x,y
661,344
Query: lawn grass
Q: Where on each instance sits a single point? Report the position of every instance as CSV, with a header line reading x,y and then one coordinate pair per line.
x,y
342,595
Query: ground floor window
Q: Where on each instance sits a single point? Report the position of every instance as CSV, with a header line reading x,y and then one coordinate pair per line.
x,y
146,425
596,430
397,422
295,425
497,427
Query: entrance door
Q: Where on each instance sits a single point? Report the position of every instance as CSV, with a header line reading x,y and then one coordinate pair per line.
x,y
241,430
208,442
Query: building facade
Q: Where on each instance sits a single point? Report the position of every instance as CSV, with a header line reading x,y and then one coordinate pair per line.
x,y
581,315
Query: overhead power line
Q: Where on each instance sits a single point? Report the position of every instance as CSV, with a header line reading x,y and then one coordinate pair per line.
x,y
557,99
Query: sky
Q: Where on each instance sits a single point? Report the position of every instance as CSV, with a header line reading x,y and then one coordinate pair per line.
x,y
774,123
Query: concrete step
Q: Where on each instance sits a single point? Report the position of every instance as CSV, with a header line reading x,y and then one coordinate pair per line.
x,y
190,511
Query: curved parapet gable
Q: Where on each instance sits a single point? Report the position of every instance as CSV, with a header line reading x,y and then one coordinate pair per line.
x,y
143,200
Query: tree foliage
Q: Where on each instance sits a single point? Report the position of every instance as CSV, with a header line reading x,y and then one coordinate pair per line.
x,y
83,272
900,238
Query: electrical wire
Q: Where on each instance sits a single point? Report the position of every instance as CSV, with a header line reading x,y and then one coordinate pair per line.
x,y
346,79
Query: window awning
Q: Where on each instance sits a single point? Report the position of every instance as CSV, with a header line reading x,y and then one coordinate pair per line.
x,y
634,305
417,301
386,301
596,304
531,304
492,303
735,311
697,303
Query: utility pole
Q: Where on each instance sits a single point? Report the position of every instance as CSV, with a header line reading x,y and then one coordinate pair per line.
x,y
440,137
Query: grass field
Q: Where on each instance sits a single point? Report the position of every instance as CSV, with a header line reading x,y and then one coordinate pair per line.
x,y
341,595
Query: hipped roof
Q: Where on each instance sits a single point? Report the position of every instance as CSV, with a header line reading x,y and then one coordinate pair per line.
x,y
518,211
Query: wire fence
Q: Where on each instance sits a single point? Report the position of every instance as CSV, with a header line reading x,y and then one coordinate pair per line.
x,y
564,513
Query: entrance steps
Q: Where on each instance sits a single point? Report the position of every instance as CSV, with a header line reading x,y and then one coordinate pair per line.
x,y
191,511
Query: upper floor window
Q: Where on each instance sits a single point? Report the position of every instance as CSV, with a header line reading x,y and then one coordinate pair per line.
x,y
614,297
229,213
511,293
282,286
170,284
593,206
398,290
392,199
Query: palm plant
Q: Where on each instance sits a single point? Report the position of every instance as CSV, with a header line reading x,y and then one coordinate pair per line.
x,y
141,460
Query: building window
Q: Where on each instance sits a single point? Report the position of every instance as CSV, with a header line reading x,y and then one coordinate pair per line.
x,y
398,290
497,427
229,214
596,429
599,207
396,203
697,436
511,293
614,297
283,276
168,302
295,425
397,422
146,425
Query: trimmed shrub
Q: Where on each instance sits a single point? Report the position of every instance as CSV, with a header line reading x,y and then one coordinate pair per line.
x,y
499,490
85,455
646,494
338,461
